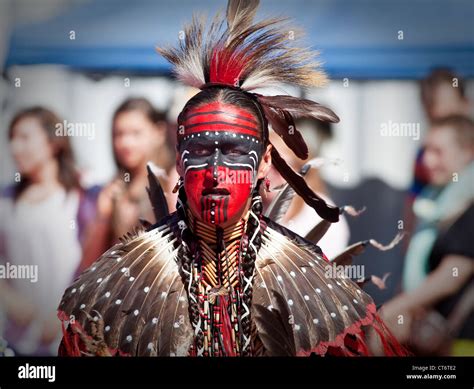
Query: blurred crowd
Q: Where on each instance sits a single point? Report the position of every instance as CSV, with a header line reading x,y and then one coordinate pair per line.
x,y
50,220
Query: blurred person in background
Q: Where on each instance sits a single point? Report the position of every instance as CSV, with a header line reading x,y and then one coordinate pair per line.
x,y
443,94
300,217
42,221
438,300
139,136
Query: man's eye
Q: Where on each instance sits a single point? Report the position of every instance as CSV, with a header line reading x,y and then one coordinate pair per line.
x,y
201,152
233,151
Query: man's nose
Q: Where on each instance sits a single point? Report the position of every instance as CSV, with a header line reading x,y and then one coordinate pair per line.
x,y
214,161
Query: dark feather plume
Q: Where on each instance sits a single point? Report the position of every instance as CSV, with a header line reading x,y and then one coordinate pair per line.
x,y
300,186
318,231
275,332
156,196
299,107
346,257
283,124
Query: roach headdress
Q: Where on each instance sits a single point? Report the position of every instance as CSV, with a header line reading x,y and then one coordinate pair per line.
x,y
236,52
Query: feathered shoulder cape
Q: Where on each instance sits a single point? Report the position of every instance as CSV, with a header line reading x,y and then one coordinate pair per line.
x,y
132,301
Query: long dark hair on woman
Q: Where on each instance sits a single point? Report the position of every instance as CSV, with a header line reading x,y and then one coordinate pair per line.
x,y
67,174
154,115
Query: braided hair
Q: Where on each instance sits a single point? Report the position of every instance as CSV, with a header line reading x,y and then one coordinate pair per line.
x,y
249,245
188,257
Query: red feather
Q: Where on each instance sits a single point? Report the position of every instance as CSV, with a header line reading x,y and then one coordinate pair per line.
x,y
226,67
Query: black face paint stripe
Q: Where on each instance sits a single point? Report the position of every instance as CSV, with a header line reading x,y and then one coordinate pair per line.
x,y
253,129
202,207
222,113
226,204
210,218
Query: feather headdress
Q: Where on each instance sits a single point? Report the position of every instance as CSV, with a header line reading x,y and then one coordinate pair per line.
x,y
238,53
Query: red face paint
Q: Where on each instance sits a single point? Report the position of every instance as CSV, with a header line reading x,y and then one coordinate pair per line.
x,y
217,204
220,148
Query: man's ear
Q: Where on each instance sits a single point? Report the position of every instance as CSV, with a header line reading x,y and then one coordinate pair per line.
x,y
265,163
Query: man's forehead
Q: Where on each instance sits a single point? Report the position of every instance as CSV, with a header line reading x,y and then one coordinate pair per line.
x,y
218,117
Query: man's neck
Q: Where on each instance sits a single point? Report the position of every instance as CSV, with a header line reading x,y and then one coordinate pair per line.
x,y
210,233
220,251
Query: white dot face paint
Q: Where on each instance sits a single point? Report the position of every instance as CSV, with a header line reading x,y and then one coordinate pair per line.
x,y
230,153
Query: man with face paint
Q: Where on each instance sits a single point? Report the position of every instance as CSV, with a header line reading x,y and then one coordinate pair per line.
x,y
217,277
221,157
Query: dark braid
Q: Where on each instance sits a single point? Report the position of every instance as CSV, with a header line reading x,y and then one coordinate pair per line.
x,y
188,255
248,258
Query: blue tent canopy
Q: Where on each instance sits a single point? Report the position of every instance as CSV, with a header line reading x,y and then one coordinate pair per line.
x,y
357,39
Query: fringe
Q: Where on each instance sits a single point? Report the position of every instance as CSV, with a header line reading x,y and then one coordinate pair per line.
x,y
73,346
343,345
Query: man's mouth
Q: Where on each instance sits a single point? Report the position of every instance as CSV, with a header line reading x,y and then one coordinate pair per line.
x,y
215,192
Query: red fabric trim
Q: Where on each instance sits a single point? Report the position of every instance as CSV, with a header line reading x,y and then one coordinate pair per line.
x,y
71,344
337,346
226,328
